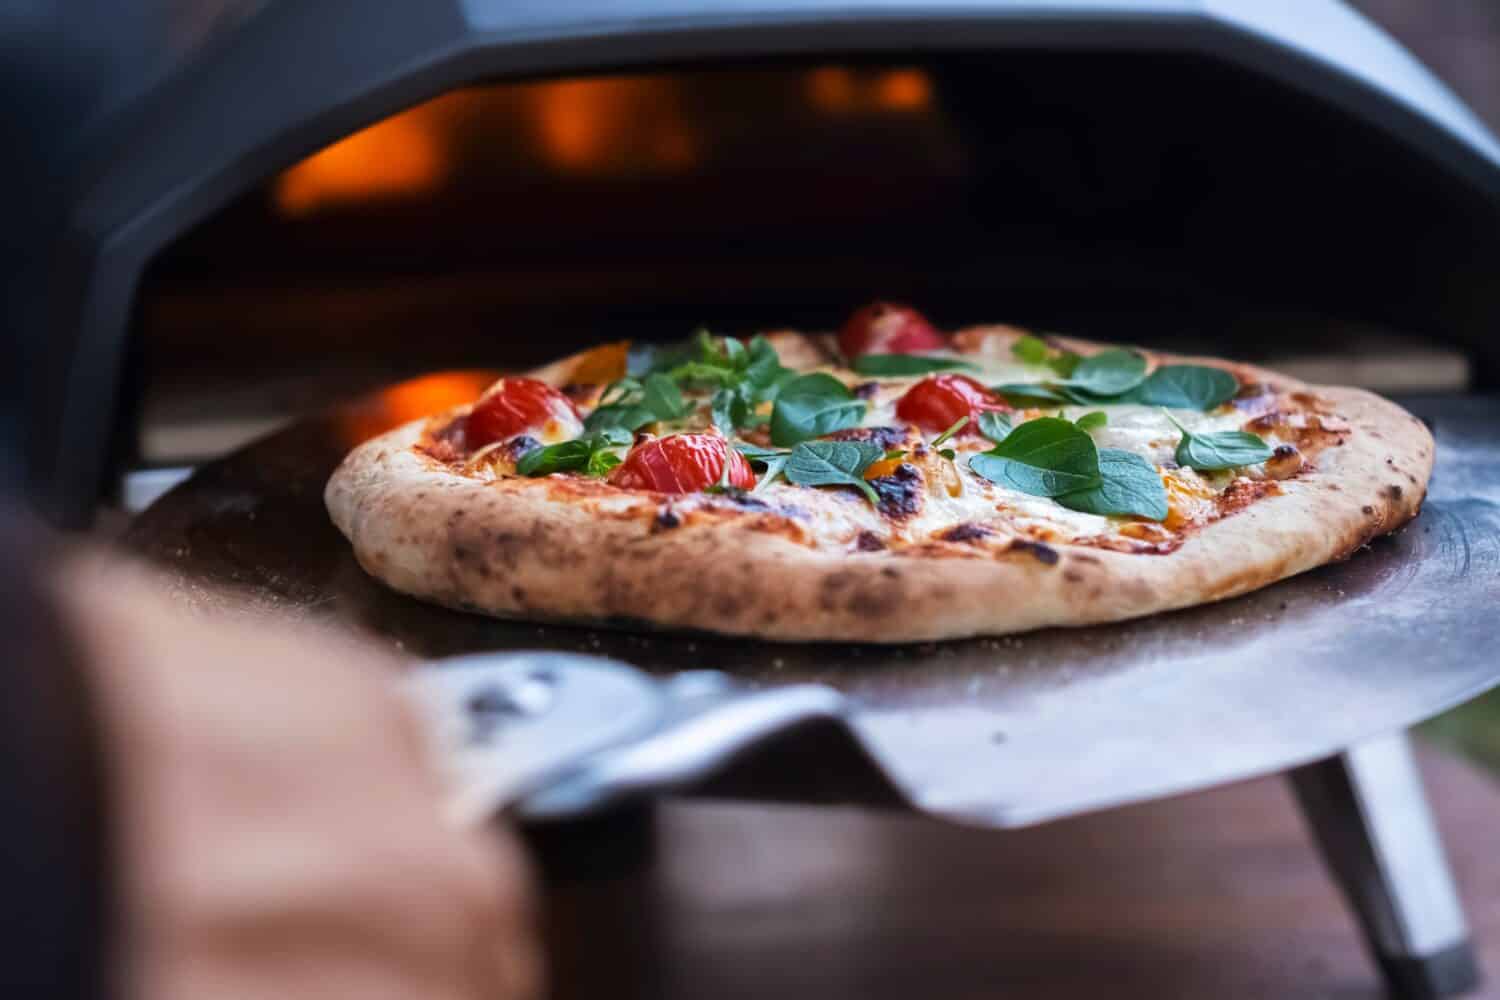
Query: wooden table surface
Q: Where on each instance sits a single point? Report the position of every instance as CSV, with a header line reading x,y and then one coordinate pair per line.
x,y
1214,895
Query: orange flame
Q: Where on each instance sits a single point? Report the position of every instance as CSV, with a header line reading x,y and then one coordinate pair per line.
x,y
401,156
612,126
839,90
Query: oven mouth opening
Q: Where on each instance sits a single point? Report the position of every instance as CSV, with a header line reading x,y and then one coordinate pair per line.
x,y
500,226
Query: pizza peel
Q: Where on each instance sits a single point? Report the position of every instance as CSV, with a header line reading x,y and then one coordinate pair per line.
x,y
1000,731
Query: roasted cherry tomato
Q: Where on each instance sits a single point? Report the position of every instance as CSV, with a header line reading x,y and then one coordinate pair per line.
x,y
682,463
523,406
883,328
937,402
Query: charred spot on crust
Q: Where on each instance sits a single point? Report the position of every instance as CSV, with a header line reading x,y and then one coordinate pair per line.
x,y
900,493
966,532
1367,509
866,390
1044,554
666,519
868,541
1242,492
886,437
740,498
1393,491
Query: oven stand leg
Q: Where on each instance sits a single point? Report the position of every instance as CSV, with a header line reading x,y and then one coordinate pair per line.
x,y
1370,818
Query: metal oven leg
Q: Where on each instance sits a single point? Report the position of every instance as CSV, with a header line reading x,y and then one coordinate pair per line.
x,y
1369,815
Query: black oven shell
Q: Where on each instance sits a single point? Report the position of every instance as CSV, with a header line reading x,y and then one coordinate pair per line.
x,y
290,77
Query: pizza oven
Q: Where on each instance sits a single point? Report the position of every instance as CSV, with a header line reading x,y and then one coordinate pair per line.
x,y
263,214
300,202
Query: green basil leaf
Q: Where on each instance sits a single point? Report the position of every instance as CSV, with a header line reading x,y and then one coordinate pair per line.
x,y
1090,421
764,373
833,463
721,411
1054,393
735,353
1045,457
1065,363
756,453
1221,450
643,359
623,389
615,436
661,396
567,456
599,463
1185,387
621,416
1108,373
1032,350
1128,485
995,426
908,364
1021,393
811,406
774,467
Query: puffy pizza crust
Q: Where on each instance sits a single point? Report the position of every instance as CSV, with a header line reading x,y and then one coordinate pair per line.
x,y
562,549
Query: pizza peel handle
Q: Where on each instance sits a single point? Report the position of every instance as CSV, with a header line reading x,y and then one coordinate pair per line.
x,y
551,736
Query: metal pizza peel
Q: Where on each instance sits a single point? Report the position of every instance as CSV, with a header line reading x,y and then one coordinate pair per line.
x,y
1317,676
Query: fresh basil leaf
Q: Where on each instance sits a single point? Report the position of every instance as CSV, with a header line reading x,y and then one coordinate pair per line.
x,y
1185,387
833,463
1090,421
764,373
613,436
1128,485
590,454
756,453
1064,363
643,359
1045,457
567,456
735,353
775,465
1020,394
619,390
1108,373
811,406
994,425
1221,450
599,463
721,411
908,364
948,453
621,416
1032,350
661,396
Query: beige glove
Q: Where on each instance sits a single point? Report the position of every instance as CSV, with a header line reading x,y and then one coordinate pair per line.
x,y
278,833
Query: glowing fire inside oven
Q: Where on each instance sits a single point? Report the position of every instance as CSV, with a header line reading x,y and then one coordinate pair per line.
x,y
620,126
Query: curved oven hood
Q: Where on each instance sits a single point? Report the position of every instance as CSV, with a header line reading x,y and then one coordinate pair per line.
x,y
293,77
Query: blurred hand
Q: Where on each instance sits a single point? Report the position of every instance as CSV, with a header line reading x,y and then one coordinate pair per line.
x,y
277,831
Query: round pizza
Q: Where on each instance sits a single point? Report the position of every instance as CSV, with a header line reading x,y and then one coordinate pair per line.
x,y
891,483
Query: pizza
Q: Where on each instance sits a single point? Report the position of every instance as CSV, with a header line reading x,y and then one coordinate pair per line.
x,y
889,483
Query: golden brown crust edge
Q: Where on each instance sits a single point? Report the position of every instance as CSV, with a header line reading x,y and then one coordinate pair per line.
x,y
509,548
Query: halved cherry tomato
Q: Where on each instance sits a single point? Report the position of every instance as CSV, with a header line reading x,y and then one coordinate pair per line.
x,y
884,328
523,406
682,463
937,402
